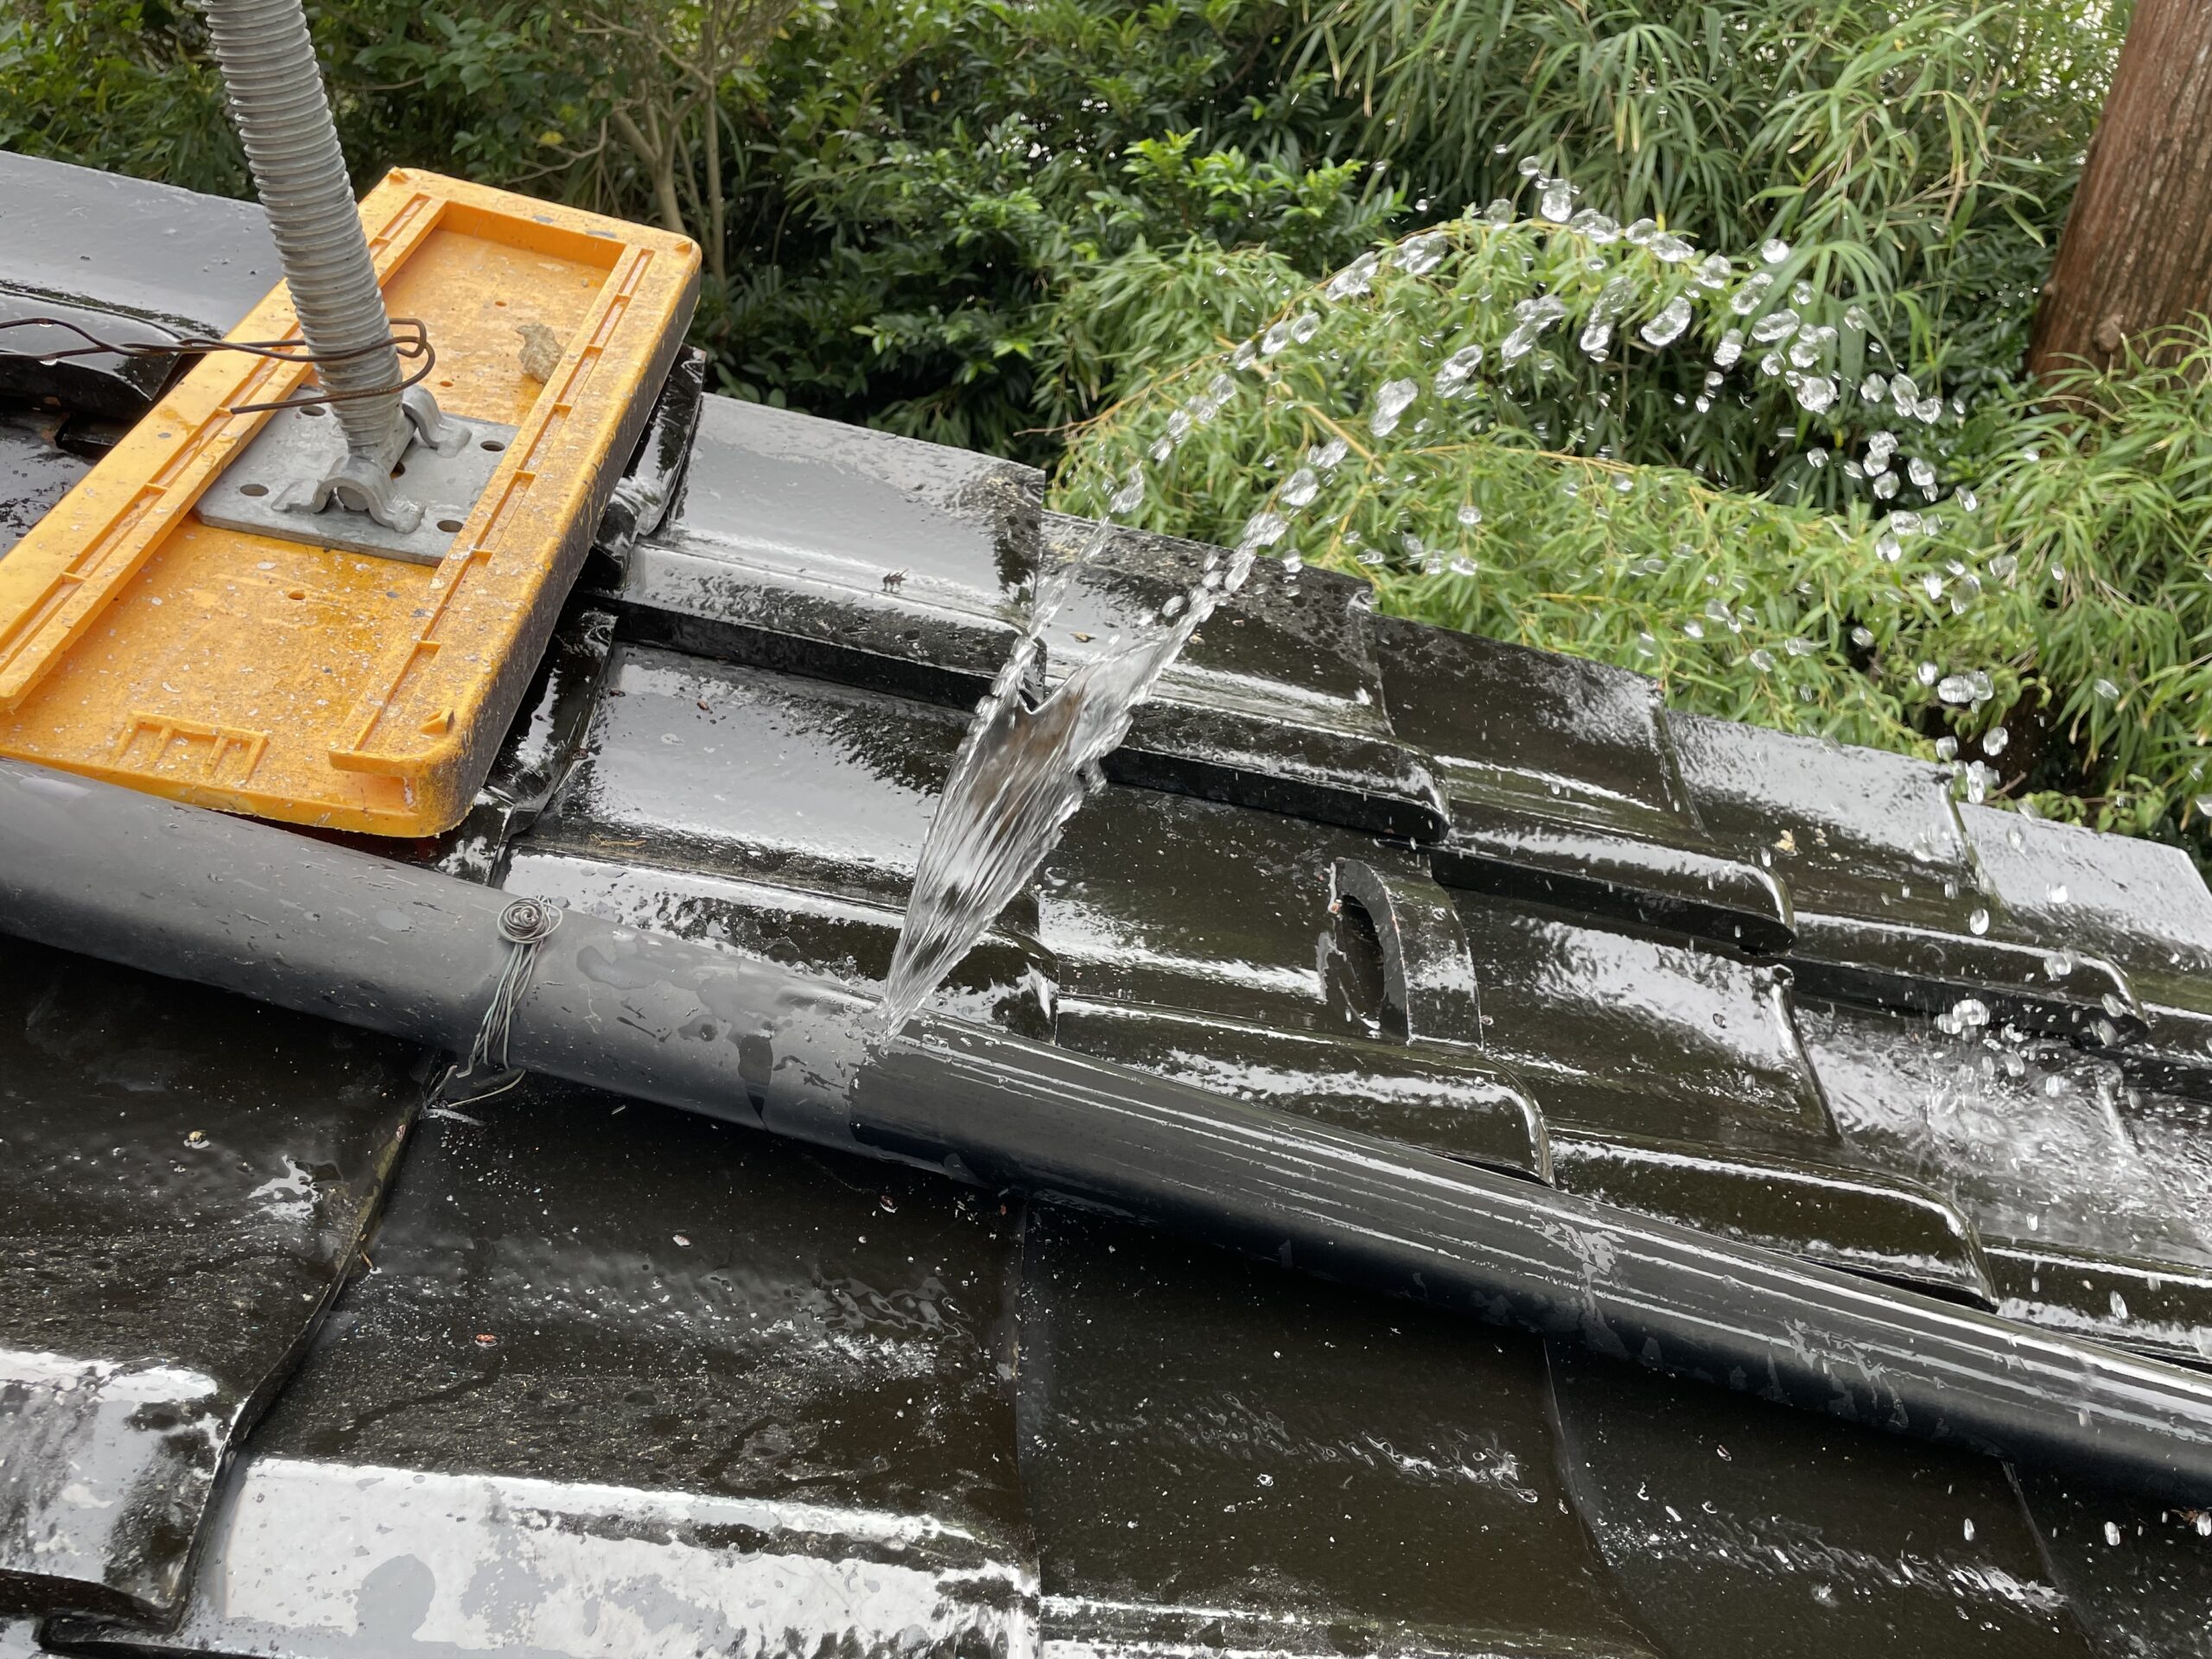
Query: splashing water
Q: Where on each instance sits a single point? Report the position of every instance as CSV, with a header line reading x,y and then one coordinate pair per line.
x,y
1023,769
1030,756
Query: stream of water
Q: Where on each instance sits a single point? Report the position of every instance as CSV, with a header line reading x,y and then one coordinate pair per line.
x,y
1030,757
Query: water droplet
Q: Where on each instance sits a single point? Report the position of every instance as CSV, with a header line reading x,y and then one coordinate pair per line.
x,y
1355,279
1969,1531
682,1240
2112,1529
1671,248
1530,166
1776,325
1969,502
1730,350
1326,456
1422,254
1262,530
1471,514
196,1138
1597,334
2058,894
2106,690
1761,659
1391,400
1921,472
1749,297
1993,742
1667,328
1774,251
1456,369
1300,487
1595,225
1862,637
1815,393
1954,687
1978,922
1558,203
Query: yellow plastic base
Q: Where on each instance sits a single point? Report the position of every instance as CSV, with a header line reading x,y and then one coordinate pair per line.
x,y
302,683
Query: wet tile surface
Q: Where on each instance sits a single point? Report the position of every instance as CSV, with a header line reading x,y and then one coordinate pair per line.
x,y
624,1383
185,1180
1741,1528
802,543
1622,1034
127,245
1159,898
1277,703
739,772
628,1381
2033,1143
1196,1483
34,473
2139,1573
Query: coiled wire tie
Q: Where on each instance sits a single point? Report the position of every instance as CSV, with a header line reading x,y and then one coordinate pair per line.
x,y
408,340
526,924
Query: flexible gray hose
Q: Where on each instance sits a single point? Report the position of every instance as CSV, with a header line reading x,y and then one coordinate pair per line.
x,y
291,143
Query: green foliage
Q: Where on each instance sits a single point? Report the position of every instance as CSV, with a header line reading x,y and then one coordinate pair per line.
x,y
1038,228
935,182
1918,154
2062,595
121,85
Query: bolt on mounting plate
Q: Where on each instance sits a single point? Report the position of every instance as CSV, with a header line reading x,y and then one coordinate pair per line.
x,y
300,445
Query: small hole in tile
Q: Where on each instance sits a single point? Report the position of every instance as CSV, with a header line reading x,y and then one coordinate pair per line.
x,y
449,525
253,489
493,445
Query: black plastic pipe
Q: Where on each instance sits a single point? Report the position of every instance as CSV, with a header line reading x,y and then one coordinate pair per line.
x,y
329,930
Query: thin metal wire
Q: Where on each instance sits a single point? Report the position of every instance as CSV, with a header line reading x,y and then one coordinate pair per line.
x,y
526,924
410,340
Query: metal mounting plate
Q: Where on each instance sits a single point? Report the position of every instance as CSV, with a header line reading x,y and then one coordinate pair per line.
x,y
302,444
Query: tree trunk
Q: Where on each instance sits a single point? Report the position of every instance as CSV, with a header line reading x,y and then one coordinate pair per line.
x,y
2137,252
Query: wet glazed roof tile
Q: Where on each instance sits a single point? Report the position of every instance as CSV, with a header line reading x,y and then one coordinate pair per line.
x,y
737,1393
187,1181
